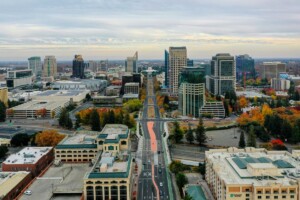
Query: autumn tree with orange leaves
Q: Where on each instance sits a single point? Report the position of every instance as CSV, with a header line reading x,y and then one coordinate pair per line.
x,y
243,102
48,138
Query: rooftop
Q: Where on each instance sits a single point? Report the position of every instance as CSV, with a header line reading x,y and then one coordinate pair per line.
x,y
130,96
28,155
9,180
132,84
62,93
114,131
251,94
79,140
255,166
39,104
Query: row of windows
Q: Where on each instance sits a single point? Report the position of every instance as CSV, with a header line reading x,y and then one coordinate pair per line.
x,y
283,191
84,151
106,182
276,197
63,156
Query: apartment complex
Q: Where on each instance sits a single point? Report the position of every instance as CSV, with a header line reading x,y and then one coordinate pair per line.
x,y
78,67
131,63
17,78
191,91
270,70
4,95
251,174
213,108
177,60
50,66
35,64
222,77
131,88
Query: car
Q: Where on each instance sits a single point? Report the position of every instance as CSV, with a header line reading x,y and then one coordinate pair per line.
x,y
159,171
160,184
149,161
28,192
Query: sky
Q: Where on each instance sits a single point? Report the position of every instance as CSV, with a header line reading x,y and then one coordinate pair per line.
x,y
115,29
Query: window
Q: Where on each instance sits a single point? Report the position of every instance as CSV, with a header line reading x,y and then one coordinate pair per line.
x,y
292,196
259,197
275,197
114,192
247,195
99,194
267,197
283,196
292,191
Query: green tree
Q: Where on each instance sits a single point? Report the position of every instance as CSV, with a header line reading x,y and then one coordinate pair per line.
x,y
2,111
63,117
88,97
251,142
78,121
226,108
111,117
267,122
286,129
3,151
166,100
20,139
176,167
95,121
177,132
279,103
189,136
181,180
187,197
126,120
120,117
242,143
295,134
69,123
200,133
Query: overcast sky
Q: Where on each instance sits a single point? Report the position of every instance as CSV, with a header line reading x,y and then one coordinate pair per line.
x,y
115,29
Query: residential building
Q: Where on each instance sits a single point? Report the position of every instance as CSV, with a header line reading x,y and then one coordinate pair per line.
x,y
131,63
18,78
213,108
167,68
280,84
131,88
50,66
222,77
177,60
35,64
12,183
252,173
4,95
93,85
191,91
30,159
78,67
270,70
244,68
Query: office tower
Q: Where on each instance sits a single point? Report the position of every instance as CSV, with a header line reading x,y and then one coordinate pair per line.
x,y
222,77
270,70
177,60
137,78
78,67
191,95
131,63
4,95
35,64
244,68
167,68
190,63
50,66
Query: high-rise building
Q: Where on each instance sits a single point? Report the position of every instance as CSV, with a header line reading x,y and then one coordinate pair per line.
x,y
167,68
4,95
35,64
222,77
191,91
190,63
244,68
78,67
50,66
270,70
98,65
177,60
131,63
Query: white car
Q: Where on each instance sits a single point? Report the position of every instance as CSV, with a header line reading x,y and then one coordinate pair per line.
x,y
28,192
160,184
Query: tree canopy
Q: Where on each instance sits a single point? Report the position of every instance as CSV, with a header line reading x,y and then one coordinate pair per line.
x,y
48,138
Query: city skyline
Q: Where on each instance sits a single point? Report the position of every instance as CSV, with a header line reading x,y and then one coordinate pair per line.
x,y
114,29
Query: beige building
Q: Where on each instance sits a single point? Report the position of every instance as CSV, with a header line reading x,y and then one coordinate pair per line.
x,y
280,84
252,174
50,66
131,63
177,60
131,88
271,69
4,95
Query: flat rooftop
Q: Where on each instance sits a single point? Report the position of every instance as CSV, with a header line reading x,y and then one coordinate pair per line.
x,y
255,166
79,139
132,84
39,104
251,94
129,95
8,180
114,129
66,93
28,155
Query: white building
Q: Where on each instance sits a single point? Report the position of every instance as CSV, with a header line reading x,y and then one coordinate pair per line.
x,y
280,84
17,78
214,108
84,84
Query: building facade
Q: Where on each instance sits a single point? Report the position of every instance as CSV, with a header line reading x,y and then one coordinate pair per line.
x,y
167,68
222,76
50,66
131,63
177,60
268,70
93,85
35,64
78,67
213,108
131,88
191,91
18,78
4,95
244,68
252,174
279,84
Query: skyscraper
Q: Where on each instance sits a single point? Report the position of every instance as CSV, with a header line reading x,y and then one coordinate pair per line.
x,y
131,63
244,68
222,77
191,94
177,60
78,67
270,70
35,64
50,66
167,68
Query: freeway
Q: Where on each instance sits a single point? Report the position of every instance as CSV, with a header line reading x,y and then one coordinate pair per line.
x,y
154,180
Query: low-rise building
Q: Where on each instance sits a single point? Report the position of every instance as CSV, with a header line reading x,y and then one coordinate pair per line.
x,y
5,142
108,100
113,90
82,84
250,173
31,159
131,88
127,97
4,95
75,96
12,183
280,84
213,108
17,78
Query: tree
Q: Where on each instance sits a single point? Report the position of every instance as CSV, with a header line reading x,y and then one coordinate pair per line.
x,y
20,139
243,102
166,100
77,122
226,108
200,133
286,129
95,121
177,132
126,120
111,117
251,142
242,143
2,111
62,117
295,138
48,138
3,151
88,97
176,167
266,110
189,136
69,123
187,197
181,180
296,96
